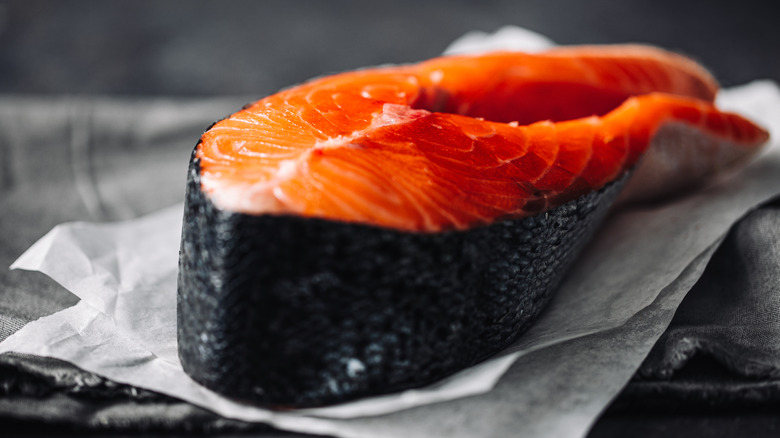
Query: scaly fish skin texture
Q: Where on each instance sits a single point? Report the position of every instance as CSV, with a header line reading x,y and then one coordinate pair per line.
x,y
290,311
457,142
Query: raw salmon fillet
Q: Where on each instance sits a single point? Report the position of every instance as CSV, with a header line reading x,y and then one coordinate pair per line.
x,y
378,230
462,141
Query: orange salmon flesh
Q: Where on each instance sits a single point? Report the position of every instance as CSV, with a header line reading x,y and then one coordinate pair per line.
x,y
461,141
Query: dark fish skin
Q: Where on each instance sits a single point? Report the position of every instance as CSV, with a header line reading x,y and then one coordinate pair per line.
x,y
287,311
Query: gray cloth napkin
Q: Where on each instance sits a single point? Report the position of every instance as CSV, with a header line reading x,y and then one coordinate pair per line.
x,y
82,159
68,158
723,346
733,312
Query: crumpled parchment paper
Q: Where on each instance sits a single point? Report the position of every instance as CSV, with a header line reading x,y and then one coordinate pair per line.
x,y
614,304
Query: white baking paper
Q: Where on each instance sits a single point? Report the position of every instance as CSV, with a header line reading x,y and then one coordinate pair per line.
x,y
511,38
554,381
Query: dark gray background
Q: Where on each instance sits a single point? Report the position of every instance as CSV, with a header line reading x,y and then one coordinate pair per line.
x,y
176,47
104,66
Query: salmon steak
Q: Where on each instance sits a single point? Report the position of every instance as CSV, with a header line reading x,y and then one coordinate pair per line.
x,y
378,230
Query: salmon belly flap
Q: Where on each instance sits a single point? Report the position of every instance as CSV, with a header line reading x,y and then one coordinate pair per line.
x,y
378,230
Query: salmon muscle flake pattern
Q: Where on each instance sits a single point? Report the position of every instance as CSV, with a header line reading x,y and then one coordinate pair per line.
x,y
457,142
